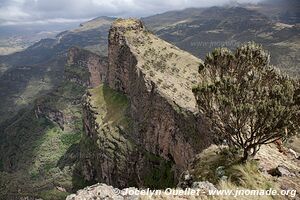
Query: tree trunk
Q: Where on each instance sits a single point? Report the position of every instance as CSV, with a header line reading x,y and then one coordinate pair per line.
x,y
255,150
245,156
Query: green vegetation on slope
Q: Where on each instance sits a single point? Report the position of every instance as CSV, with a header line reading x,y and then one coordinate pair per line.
x,y
111,104
200,30
39,151
161,175
222,168
36,160
76,72
112,118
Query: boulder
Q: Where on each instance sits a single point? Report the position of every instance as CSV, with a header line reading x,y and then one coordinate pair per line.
x,y
204,185
186,180
281,170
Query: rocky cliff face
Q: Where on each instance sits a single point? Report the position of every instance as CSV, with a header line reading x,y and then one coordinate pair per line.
x,y
158,78
107,151
83,68
110,152
97,67
162,132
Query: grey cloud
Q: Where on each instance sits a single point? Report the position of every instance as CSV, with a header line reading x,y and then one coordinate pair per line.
x,y
24,11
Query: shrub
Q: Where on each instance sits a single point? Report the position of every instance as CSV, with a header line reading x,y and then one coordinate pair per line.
x,y
248,102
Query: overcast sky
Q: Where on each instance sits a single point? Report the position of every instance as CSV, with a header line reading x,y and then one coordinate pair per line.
x,y
47,11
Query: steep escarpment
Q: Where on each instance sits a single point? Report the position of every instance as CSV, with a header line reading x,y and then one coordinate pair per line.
x,y
136,124
141,126
106,149
109,152
84,69
157,78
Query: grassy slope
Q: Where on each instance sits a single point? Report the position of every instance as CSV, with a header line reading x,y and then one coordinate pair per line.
x,y
111,104
110,107
207,167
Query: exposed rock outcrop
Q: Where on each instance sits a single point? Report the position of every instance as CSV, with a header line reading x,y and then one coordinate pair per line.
x,y
83,68
53,115
109,151
106,150
158,78
104,192
163,130
97,66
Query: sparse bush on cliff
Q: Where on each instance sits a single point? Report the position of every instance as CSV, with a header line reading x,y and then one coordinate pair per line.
x,y
248,102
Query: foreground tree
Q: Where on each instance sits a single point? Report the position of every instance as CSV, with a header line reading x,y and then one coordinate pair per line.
x,y
248,102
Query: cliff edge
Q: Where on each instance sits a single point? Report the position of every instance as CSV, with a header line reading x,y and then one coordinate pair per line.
x,y
163,131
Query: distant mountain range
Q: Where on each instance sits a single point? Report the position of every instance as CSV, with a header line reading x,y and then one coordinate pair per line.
x,y
199,31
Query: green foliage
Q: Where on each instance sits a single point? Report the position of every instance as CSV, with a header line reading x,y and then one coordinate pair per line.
x,y
41,144
112,104
215,163
34,175
162,175
53,194
69,139
248,176
248,102
76,71
1,165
